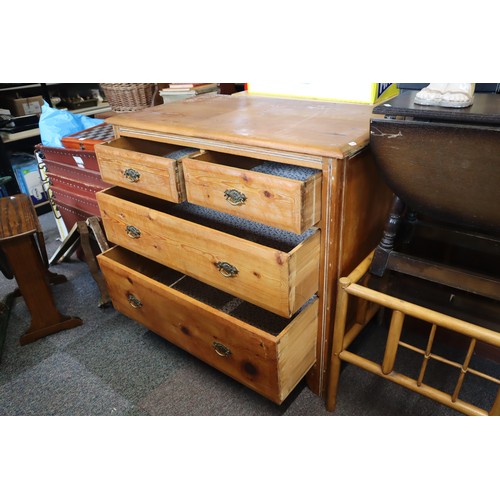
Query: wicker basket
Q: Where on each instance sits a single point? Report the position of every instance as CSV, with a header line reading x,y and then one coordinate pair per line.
x,y
126,97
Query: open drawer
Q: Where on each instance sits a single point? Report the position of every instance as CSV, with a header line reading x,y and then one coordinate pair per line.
x,y
271,268
149,167
265,352
277,194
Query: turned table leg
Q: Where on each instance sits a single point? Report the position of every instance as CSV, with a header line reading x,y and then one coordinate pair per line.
x,y
386,244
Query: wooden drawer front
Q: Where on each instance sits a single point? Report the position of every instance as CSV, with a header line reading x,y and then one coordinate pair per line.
x,y
283,196
278,280
148,167
270,363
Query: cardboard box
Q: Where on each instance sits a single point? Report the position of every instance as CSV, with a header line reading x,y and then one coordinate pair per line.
x,y
361,93
24,105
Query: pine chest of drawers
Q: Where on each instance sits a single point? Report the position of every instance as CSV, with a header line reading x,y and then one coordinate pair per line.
x,y
233,217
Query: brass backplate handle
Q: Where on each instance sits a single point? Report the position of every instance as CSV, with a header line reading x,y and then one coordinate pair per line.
x,y
134,301
133,232
132,175
227,270
221,349
235,197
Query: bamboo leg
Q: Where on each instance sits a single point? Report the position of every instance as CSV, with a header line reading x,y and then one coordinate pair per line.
x,y
362,305
391,347
427,355
337,345
465,366
495,409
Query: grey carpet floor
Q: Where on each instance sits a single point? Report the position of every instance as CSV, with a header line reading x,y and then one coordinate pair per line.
x,y
111,365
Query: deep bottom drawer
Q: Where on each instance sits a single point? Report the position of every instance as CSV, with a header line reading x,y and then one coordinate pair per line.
x,y
267,353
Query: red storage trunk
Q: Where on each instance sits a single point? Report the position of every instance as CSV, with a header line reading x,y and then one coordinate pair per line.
x,y
74,178
70,157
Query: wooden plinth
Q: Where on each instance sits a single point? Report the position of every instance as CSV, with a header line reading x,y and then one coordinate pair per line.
x,y
26,258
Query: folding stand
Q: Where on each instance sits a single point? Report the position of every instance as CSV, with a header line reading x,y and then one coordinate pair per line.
x,y
80,235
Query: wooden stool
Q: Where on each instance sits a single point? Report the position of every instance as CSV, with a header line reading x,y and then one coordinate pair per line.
x,y
25,258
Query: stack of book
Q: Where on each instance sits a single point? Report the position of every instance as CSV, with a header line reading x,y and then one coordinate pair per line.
x,y
190,89
178,91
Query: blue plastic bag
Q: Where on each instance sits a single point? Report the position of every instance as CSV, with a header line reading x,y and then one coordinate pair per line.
x,y
56,124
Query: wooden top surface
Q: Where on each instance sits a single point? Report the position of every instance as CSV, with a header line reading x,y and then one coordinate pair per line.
x,y
17,216
303,126
485,109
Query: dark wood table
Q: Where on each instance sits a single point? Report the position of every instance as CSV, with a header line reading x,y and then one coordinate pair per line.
x,y
484,110
24,257
443,164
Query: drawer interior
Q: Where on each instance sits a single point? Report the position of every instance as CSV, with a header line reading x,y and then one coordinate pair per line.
x,y
217,299
262,166
279,239
151,148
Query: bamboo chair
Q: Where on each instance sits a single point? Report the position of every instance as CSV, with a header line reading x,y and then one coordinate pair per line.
x,y
369,301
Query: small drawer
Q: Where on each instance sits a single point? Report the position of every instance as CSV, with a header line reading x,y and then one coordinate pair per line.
x,y
265,352
274,269
276,194
148,167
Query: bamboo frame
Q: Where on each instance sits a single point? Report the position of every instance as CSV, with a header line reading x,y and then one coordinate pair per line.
x,y
341,340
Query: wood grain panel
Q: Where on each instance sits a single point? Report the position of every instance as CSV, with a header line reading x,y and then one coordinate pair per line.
x,y
303,126
289,204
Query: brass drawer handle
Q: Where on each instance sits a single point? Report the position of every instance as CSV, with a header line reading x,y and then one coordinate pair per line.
x,y
134,301
227,270
133,232
221,349
234,197
132,175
